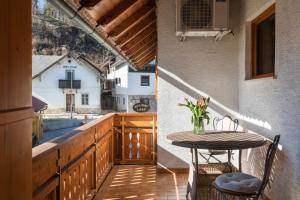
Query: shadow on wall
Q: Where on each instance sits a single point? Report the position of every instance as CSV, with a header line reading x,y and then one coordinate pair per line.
x,y
171,158
253,159
253,162
215,105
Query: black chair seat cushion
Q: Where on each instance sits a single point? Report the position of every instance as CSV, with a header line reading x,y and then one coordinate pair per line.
x,y
238,183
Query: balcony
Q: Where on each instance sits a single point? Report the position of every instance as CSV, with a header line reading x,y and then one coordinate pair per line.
x,y
66,84
92,162
74,167
114,157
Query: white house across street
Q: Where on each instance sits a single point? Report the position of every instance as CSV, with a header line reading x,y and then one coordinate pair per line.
x,y
67,83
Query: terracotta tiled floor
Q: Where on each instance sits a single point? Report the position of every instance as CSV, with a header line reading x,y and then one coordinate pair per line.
x,y
143,183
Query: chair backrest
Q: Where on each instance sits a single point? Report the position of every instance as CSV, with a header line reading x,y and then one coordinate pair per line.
x,y
269,162
225,123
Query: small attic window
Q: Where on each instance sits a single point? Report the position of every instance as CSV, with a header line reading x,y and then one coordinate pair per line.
x,y
69,61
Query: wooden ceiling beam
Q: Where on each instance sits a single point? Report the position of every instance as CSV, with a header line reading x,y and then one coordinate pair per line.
x,y
146,42
145,61
133,19
151,28
89,3
140,51
139,39
146,55
115,12
141,45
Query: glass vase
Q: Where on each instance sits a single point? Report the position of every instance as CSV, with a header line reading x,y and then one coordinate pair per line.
x,y
199,128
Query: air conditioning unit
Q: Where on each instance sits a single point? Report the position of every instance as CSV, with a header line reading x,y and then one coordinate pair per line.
x,y
202,17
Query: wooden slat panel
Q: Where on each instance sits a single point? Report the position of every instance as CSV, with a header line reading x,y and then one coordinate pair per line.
x,y
132,19
77,181
147,40
138,39
151,42
49,192
137,29
146,59
103,158
142,50
115,12
144,54
134,136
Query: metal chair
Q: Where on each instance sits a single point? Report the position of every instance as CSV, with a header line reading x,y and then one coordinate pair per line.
x,y
225,123
245,185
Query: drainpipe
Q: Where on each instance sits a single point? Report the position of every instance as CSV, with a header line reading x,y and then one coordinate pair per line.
x,y
64,7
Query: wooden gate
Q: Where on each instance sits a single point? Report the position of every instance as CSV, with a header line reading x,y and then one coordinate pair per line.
x,y
135,138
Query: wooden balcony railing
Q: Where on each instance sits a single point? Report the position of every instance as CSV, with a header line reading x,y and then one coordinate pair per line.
x,y
75,166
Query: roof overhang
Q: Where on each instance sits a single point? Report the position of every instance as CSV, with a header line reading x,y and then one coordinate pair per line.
x,y
128,27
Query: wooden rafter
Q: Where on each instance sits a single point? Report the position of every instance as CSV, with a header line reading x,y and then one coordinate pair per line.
x,y
140,34
145,61
133,19
138,39
142,50
89,3
128,26
146,54
115,12
148,41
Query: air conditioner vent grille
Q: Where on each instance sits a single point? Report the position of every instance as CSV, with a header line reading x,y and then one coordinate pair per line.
x,y
197,14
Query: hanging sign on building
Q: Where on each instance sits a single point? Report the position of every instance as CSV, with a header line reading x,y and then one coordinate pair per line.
x,y
141,107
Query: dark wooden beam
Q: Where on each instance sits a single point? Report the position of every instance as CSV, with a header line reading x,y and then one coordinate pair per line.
x,y
137,29
115,12
142,50
89,3
138,39
141,45
140,34
133,19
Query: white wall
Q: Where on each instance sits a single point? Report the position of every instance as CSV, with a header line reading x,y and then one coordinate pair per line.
x,y
46,86
276,102
198,66
135,88
131,85
267,106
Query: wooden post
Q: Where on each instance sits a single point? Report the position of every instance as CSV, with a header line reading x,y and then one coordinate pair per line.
x,y
15,100
154,139
123,140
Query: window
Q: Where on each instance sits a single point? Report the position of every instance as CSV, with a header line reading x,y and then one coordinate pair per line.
x,y
85,99
70,74
145,80
263,44
118,81
123,100
144,100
